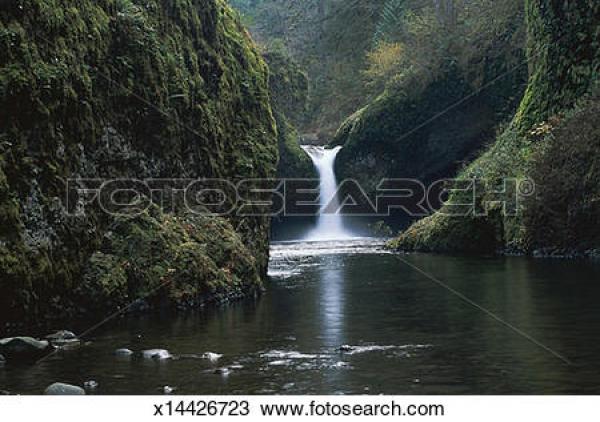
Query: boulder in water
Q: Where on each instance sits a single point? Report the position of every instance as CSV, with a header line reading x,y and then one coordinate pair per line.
x,y
60,389
123,352
24,348
157,354
61,335
63,338
213,357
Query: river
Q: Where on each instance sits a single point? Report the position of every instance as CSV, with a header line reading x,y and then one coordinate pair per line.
x,y
405,333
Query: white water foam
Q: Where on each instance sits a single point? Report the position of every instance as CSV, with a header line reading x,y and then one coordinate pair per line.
x,y
330,225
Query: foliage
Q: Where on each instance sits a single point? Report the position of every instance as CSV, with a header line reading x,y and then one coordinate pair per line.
x,y
469,33
552,140
389,22
384,62
564,213
329,39
429,114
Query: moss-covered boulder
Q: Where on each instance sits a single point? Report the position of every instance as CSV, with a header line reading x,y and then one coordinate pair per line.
x,y
117,89
168,260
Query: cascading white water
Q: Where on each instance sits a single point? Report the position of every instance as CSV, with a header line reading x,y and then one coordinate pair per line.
x,y
329,224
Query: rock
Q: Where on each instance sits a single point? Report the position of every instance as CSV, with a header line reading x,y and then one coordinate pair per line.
x,y
24,348
158,354
60,389
213,357
63,338
123,352
2,360
168,390
61,335
346,348
90,385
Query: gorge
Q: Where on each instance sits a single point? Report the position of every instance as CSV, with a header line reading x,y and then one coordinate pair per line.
x,y
182,299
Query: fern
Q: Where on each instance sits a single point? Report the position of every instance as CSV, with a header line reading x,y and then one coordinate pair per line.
x,y
389,21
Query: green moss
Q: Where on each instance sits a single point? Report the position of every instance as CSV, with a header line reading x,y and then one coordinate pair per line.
x,y
168,260
294,163
288,88
548,141
564,212
401,134
443,234
118,88
564,51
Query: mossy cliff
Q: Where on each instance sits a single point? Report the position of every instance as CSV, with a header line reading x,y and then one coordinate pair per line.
x,y
553,140
425,126
127,89
288,86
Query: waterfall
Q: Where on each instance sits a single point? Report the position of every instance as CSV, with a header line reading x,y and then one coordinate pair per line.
x,y
329,225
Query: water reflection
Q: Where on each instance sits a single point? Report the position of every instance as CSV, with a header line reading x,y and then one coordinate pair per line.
x,y
331,299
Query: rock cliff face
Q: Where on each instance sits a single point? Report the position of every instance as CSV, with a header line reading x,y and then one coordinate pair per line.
x,y
288,86
552,140
126,89
418,131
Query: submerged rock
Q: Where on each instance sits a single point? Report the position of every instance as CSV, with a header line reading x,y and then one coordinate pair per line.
x,y
90,385
123,353
24,348
61,389
157,354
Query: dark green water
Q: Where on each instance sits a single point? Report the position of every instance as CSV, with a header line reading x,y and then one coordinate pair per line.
x,y
411,336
